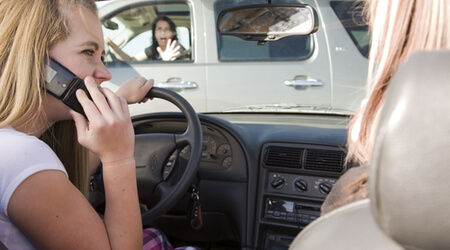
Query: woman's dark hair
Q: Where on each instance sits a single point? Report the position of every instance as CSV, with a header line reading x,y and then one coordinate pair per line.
x,y
151,51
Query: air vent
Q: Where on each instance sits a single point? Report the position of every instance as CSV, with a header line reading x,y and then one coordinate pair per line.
x,y
284,157
324,160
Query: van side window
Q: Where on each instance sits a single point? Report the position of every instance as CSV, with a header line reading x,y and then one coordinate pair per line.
x,y
294,48
135,33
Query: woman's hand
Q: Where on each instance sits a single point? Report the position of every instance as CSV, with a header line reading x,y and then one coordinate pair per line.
x,y
171,52
135,90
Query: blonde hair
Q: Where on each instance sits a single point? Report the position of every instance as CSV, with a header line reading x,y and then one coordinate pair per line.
x,y
398,28
28,28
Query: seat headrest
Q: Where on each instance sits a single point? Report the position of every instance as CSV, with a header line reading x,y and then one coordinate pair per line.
x,y
410,170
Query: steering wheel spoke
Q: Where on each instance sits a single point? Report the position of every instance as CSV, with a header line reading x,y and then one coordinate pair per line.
x,y
151,151
185,139
163,189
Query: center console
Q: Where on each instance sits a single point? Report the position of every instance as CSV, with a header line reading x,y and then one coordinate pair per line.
x,y
298,178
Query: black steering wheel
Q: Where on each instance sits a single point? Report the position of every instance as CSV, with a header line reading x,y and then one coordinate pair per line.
x,y
153,156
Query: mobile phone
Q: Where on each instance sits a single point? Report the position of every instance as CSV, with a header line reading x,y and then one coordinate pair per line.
x,y
62,84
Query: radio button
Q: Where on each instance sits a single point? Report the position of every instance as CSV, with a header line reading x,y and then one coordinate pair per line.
x,y
325,187
278,183
301,185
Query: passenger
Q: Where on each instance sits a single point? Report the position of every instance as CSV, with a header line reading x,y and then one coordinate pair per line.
x,y
164,46
399,28
43,153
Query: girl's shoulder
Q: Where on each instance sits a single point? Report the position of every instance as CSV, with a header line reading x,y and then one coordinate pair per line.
x,y
17,148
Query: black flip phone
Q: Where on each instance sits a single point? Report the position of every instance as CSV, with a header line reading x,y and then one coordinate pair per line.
x,y
62,84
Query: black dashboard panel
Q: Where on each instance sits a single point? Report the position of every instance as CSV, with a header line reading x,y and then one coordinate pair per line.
x,y
222,154
262,177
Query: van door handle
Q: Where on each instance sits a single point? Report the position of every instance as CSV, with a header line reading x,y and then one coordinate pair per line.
x,y
303,82
176,83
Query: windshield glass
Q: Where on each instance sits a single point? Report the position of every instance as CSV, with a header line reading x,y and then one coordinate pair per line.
x,y
322,72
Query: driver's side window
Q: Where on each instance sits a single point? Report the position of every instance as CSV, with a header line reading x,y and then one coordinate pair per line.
x,y
159,33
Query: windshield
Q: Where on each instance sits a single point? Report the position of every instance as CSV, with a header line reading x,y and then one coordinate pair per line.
x,y
321,72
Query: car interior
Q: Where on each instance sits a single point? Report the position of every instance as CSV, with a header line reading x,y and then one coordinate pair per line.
x,y
257,180
408,202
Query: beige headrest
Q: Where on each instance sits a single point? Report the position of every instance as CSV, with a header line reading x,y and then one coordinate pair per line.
x,y
410,169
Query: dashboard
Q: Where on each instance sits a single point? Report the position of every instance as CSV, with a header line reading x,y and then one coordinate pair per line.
x,y
262,177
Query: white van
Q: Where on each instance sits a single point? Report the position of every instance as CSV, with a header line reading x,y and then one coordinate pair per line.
x,y
324,71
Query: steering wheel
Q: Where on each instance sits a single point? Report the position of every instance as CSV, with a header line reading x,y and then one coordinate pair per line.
x,y
152,154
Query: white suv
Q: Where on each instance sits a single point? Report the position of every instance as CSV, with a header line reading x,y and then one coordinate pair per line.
x,y
321,72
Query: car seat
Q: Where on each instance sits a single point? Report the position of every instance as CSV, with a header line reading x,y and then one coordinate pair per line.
x,y
409,178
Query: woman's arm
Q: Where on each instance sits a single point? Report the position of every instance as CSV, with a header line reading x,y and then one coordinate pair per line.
x,y
119,51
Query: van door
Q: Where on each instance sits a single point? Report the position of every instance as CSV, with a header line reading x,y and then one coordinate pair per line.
x,y
264,74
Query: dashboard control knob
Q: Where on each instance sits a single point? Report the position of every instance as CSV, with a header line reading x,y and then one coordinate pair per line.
x,y
325,187
301,185
278,182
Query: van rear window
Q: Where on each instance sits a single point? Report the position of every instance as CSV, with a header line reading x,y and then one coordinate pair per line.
x,y
351,15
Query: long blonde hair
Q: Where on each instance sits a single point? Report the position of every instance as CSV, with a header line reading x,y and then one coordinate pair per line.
x,y
398,28
28,28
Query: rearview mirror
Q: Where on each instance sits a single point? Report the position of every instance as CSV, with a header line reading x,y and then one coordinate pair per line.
x,y
268,22
111,25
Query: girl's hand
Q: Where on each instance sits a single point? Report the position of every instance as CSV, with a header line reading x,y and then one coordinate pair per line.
x,y
171,52
109,132
135,90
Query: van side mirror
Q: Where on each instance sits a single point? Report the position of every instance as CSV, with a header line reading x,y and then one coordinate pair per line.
x,y
268,22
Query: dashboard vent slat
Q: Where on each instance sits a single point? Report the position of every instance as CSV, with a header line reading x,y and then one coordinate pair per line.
x,y
324,160
284,157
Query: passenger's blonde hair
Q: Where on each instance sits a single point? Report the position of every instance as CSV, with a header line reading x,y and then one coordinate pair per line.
x,y
398,28
28,28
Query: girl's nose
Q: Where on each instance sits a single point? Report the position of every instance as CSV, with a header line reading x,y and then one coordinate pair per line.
x,y
101,73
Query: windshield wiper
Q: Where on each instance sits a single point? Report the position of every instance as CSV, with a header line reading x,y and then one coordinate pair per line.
x,y
288,108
